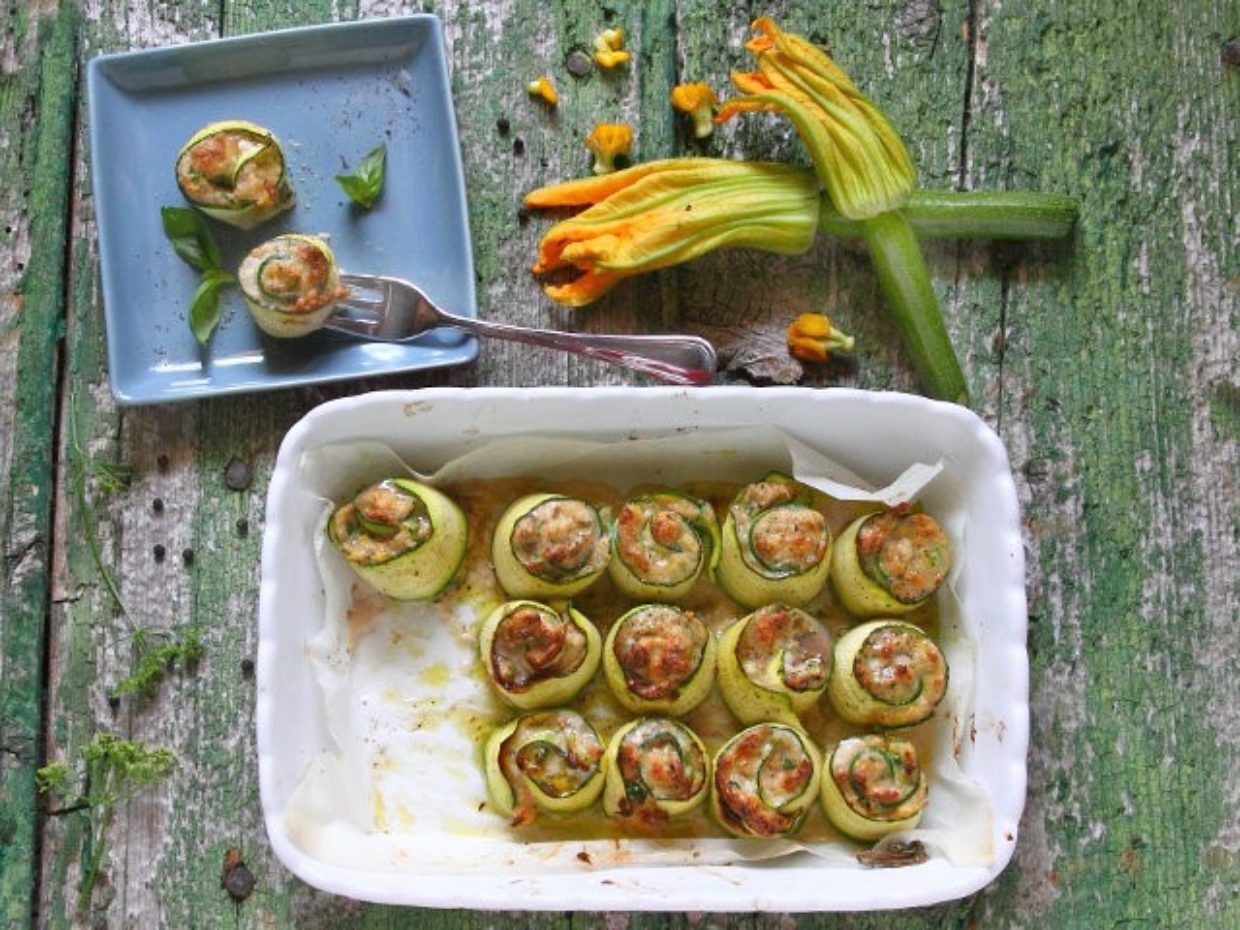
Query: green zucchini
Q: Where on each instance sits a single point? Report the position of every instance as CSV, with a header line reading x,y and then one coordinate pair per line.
x,y
659,659
549,546
889,563
765,781
420,548
655,769
888,673
537,657
776,548
659,545
549,761
873,786
234,172
774,664
291,284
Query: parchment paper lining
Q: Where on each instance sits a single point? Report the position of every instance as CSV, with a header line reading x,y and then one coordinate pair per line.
x,y
402,788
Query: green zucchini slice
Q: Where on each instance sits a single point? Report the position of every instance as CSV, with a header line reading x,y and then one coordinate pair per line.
x,y
291,284
888,673
549,761
536,656
234,172
889,563
549,546
405,538
655,769
765,782
659,545
774,664
776,547
874,786
659,659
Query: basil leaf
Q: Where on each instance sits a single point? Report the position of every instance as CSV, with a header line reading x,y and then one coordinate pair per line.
x,y
204,308
365,182
191,237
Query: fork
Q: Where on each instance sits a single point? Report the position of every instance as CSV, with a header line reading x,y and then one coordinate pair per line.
x,y
394,310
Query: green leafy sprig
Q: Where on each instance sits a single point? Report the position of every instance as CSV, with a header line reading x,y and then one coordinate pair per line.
x,y
144,681
110,770
191,239
365,182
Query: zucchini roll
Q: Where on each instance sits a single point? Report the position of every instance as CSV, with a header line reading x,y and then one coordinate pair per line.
x,y
659,659
886,564
234,172
291,284
549,760
536,656
659,545
655,769
774,664
765,782
549,546
405,538
776,547
887,673
873,786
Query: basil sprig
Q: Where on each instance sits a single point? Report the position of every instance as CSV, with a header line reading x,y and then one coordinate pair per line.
x,y
192,240
365,182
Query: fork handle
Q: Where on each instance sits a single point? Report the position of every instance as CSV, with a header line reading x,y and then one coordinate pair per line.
x,y
674,359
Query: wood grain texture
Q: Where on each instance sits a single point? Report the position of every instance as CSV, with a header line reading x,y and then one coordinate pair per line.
x,y
1108,365
36,111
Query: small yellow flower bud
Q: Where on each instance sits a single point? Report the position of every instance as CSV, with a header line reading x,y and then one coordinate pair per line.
x,y
811,338
609,141
544,89
699,101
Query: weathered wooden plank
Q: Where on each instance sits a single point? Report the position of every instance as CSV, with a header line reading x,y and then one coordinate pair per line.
x,y
37,88
1112,363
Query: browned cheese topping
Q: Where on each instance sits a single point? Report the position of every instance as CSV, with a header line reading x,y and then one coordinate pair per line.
x,y
879,777
659,649
898,665
533,645
560,539
299,276
907,554
781,646
656,539
758,775
382,522
659,761
557,751
779,537
208,172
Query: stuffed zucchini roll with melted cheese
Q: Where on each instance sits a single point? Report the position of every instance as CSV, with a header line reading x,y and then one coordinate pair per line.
x,y
886,564
873,786
655,769
234,172
888,673
659,545
405,538
538,657
549,546
659,659
765,782
776,547
545,761
774,664
291,284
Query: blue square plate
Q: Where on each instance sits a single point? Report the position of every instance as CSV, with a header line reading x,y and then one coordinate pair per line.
x,y
331,94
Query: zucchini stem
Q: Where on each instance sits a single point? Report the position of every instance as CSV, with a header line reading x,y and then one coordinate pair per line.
x,y
910,299
1000,215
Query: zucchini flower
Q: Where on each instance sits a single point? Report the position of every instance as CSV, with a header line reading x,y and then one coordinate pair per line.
x,y
543,89
662,213
812,337
609,141
699,101
609,48
859,157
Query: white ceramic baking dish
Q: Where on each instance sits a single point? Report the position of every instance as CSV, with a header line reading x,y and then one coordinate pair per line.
x,y
876,435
